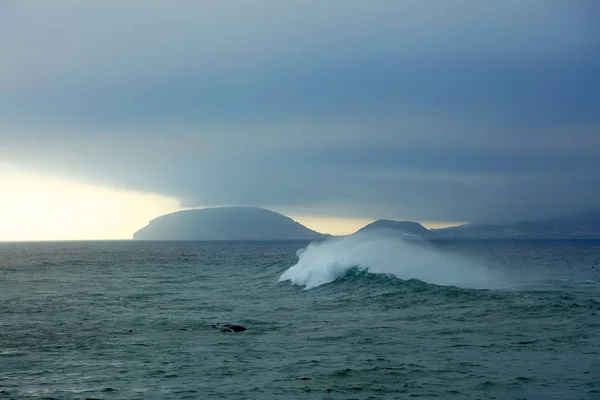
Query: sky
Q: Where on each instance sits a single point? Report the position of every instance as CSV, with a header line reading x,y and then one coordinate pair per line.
x,y
332,112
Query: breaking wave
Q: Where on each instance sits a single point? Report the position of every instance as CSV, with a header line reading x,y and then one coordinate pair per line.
x,y
380,253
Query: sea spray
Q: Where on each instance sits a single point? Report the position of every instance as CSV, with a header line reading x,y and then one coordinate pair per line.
x,y
384,253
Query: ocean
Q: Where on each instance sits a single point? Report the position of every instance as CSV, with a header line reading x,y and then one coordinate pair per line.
x,y
352,318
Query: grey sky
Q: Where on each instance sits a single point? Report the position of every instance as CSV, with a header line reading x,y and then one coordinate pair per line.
x,y
462,110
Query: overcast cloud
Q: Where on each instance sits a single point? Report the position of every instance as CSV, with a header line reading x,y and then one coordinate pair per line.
x,y
428,110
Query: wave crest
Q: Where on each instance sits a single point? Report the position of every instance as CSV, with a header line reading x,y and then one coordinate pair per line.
x,y
377,253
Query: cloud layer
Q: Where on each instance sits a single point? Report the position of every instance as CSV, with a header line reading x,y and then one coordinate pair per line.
x,y
404,109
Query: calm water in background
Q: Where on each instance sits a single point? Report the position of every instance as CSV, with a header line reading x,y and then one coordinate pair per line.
x,y
132,320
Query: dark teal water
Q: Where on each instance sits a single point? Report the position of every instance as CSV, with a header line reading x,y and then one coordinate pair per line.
x,y
131,320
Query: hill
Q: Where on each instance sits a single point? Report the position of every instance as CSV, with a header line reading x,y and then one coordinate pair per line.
x,y
226,223
403,228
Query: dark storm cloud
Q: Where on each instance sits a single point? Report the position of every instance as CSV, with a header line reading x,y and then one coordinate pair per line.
x,y
424,110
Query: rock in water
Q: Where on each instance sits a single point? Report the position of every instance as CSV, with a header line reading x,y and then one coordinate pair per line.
x,y
236,328
229,328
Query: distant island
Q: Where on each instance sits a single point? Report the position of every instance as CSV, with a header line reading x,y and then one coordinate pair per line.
x,y
583,225
254,223
226,223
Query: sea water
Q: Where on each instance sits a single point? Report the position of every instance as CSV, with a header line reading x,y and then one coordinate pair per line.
x,y
352,318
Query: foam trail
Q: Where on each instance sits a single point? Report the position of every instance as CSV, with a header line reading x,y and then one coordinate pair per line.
x,y
381,253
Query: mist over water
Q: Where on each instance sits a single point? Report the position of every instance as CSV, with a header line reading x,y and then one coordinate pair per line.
x,y
385,253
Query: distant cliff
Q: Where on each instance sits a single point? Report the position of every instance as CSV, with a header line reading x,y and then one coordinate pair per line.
x,y
402,228
579,225
226,223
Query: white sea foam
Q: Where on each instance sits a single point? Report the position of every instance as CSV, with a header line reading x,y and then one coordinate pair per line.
x,y
381,253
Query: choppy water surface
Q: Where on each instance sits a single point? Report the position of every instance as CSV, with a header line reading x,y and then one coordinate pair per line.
x,y
452,319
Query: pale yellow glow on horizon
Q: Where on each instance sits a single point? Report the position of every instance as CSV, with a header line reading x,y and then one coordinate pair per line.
x,y
36,207
332,225
441,224
346,226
